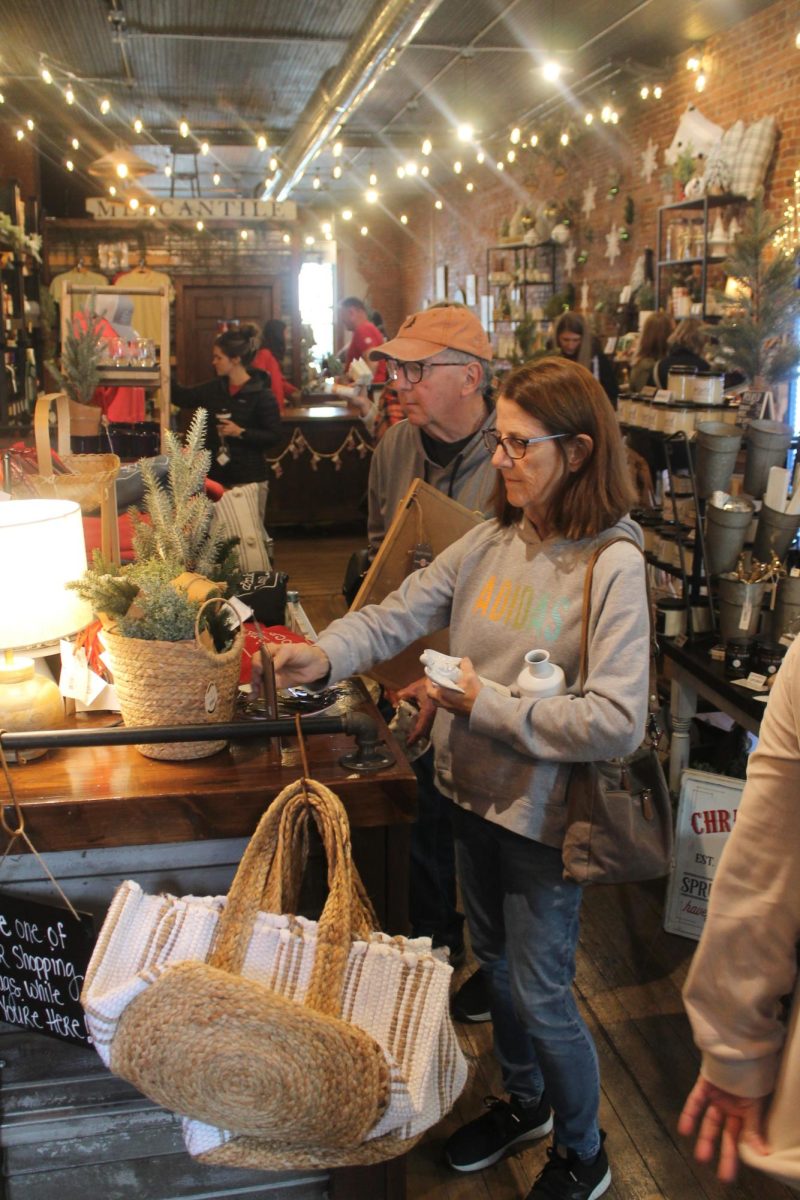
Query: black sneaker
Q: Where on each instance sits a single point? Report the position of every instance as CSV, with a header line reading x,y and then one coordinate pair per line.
x,y
570,1179
483,1141
471,1001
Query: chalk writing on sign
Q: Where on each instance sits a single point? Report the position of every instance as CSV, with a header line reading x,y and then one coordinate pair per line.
x,y
44,953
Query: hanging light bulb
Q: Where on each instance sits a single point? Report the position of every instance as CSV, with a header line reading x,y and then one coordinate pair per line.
x,y
199,226
515,136
403,219
551,71
204,148
373,179
215,179
261,142
244,234
347,214
464,132
337,172
69,164
286,239
112,191
309,239
534,140
183,128
273,164
614,117
438,204
151,208
605,113
425,171
564,139
133,204
326,228
401,172
364,230
69,95
122,170
371,196
501,166
30,123
75,144
457,166
411,167
427,146
105,105
511,156
700,83
46,76
644,91
658,92
138,125
316,183
480,157
470,187
19,134
168,171
2,98
337,149
693,63
588,118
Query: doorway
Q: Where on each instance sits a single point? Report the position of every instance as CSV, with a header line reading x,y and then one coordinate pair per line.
x,y
200,304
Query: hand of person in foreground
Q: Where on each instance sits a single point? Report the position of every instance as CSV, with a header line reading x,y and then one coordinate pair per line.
x,y
457,702
719,1116
417,693
299,662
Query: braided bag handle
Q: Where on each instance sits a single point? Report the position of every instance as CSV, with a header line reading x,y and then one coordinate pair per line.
x,y
271,868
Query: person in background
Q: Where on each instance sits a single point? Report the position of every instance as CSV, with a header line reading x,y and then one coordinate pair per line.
x,y
574,339
504,760
377,321
652,347
243,415
746,961
269,358
365,336
685,348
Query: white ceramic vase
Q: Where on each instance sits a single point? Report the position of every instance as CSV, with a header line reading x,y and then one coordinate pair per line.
x,y
540,677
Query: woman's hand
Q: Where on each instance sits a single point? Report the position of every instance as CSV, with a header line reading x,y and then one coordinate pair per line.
x,y
457,702
228,429
417,693
726,1118
298,662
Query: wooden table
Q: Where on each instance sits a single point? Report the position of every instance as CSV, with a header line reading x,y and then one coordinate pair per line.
x,y
323,465
693,674
99,815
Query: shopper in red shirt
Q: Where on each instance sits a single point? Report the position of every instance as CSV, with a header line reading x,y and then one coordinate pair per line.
x,y
365,336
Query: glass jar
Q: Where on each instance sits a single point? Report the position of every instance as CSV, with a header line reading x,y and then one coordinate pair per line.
x,y
708,387
680,381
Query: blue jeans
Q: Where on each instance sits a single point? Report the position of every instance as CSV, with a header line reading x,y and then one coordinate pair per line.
x,y
523,921
432,879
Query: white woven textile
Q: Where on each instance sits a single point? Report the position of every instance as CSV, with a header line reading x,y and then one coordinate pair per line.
x,y
395,990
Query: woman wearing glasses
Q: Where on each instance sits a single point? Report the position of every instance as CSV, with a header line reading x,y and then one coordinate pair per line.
x,y
511,585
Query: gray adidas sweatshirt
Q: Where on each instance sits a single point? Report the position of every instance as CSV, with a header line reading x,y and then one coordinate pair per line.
x,y
503,592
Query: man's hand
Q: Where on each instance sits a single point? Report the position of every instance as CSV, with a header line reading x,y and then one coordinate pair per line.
x,y
724,1118
457,702
298,662
417,693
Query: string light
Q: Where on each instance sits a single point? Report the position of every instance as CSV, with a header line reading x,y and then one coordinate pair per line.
x,y
464,133
480,157
371,196
105,105
204,148
373,179
551,71
700,83
183,129
261,142
534,140
286,239
470,187
326,228
112,191
75,144
2,98
364,230
168,171
122,170
658,92
501,166
614,117
316,183
19,134
215,179
30,124
69,164
605,113
411,167
46,76
403,219
347,214
152,210
511,156
644,92
244,234
438,204
133,204
69,95
337,149
564,139
273,164
693,63
457,167
427,146
199,226
309,239
337,172
138,126
401,172
515,135
588,118
425,171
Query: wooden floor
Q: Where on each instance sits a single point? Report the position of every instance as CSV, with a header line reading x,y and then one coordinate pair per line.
x,y
629,977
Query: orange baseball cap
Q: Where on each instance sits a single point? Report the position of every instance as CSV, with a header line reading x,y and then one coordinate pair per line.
x,y
425,333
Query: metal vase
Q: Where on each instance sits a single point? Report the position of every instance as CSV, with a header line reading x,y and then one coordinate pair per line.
x,y
718,445
775,533
767,444
726,531
787,606
739,607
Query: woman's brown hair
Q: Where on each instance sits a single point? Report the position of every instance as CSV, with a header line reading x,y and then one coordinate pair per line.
x,y
566,398
241,342
653,342
690,334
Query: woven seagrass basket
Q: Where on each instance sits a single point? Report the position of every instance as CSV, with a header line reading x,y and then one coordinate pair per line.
x,y
174,683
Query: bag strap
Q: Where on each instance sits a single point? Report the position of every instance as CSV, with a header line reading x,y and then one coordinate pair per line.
x,y
652,694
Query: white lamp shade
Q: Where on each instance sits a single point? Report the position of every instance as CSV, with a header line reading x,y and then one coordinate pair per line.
x,y
41,550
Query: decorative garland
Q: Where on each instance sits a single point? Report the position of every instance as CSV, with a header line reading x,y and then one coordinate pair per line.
x,y
299,444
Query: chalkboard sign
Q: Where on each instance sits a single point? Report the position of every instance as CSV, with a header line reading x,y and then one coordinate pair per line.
x,y
44,953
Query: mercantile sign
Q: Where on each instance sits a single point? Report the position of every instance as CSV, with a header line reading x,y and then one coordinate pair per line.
x,y
176,208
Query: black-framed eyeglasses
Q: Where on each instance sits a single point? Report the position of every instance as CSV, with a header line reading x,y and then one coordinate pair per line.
x,y
515,447
414,371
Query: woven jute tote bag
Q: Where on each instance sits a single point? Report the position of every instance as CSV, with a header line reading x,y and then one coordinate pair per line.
x,y
175,683
282,1041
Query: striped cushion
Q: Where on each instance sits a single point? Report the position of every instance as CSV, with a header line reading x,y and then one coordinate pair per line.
x,y
240,513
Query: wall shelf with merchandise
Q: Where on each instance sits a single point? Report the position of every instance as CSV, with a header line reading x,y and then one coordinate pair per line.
x,y
690,249
521,280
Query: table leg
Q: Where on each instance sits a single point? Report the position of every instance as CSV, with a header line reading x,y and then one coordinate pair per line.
x,y
683,708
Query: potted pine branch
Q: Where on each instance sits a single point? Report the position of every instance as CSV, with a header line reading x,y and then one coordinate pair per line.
x,y
175,652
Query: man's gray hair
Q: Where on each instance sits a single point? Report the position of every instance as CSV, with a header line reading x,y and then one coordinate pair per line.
x,y
462,356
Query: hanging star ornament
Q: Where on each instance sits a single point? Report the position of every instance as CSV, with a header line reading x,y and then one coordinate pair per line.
x,y
569,259
588,198
612,245
584,296
649,160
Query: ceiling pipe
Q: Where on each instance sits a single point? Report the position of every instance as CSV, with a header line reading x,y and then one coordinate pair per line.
x,y
387,31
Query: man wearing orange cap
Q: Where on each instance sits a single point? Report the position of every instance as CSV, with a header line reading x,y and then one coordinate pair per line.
x,y
440,364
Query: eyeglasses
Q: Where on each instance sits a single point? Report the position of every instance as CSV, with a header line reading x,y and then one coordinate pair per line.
x,y
414,371
515,447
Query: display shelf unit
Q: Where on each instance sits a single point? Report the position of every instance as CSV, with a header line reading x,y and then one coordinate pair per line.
x,y
521,280
20,337
155,380
674,224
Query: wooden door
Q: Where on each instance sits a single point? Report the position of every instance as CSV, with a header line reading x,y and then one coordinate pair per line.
x,y
202,303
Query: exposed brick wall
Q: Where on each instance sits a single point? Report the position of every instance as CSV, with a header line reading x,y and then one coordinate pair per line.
x,y
754,72
19,160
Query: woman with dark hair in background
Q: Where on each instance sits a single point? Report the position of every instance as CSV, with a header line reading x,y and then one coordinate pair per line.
x,y
244,419
574,340
269,358
652,347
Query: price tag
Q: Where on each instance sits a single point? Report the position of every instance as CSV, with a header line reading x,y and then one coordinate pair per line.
x,y
662,396
747,611
754,681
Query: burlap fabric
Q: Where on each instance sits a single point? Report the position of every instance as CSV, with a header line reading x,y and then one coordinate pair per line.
x,y
285,1042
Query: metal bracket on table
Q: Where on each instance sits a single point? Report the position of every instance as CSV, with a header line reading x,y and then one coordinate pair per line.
x,y
370,754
